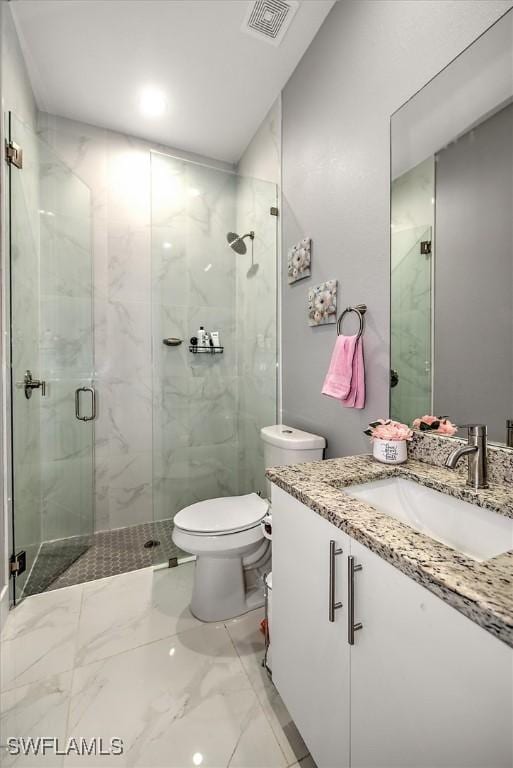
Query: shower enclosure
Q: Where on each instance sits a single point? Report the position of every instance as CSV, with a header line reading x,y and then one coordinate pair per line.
x,y
51,355
209,407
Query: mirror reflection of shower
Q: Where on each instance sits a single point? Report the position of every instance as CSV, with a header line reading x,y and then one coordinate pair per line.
x,y
236,242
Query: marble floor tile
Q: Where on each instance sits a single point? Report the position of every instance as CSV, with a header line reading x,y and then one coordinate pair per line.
x,y
39,637
178,692
284,729
173,702
61,607
31,711
123,612
249,644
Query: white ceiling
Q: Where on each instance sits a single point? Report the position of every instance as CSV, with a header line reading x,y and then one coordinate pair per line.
x,y
89,59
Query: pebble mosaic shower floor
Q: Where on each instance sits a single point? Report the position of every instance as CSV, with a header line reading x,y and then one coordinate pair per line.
x,y
107,553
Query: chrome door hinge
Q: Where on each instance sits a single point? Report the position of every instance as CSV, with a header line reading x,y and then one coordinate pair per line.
x,y
18,563
425,247
273,211
13,154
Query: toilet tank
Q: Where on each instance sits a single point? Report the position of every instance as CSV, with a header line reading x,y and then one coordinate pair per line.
x,y
285,445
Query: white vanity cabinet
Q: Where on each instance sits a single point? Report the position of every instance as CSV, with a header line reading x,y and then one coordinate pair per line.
x,y
310,657
429,688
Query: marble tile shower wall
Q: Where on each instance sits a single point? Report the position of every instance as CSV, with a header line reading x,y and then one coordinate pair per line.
x,y
195,415
256,308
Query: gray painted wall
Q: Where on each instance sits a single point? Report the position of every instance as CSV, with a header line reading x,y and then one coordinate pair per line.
x,y
473,363
367,59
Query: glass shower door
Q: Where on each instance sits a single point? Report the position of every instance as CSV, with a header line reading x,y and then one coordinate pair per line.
x,y
52,394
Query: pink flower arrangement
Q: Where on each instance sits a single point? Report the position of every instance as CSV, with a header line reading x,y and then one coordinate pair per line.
x,y
388,430
439,424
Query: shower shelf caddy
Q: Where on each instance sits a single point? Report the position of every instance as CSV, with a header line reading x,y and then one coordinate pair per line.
x,y
205,350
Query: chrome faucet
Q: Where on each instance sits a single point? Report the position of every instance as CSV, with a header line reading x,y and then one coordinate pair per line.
x,y
476,450
509,433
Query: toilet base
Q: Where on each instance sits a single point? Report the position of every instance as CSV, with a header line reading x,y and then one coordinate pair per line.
x,y
219,591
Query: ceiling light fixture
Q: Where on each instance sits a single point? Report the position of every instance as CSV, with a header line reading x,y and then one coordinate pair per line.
x,y
152,102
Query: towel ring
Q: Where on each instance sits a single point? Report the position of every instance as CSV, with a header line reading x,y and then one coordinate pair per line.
x,y
360,310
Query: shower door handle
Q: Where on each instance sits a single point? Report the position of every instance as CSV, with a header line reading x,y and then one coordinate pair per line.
x,y
93,403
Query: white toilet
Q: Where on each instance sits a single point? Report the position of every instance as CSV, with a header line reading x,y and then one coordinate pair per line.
x,y
226,534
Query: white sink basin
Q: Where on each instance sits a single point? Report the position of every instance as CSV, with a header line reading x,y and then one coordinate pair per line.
x,y
474,531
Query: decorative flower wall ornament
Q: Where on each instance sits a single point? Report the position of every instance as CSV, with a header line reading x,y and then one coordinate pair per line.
x,y
441,425
299,260
322,303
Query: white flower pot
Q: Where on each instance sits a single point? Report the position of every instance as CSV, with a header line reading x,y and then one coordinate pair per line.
x,y
390,451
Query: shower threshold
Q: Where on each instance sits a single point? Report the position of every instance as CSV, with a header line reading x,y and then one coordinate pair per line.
x,y
65,562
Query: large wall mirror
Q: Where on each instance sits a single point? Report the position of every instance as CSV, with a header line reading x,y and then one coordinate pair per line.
x,y
452,242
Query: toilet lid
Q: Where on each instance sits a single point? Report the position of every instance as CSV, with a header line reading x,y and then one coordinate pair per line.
x,y
225,515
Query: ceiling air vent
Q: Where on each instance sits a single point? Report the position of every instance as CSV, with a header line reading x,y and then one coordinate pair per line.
x,y
269,19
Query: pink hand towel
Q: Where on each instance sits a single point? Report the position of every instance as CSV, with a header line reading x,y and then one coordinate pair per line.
x,y
345,380
356,396
337,383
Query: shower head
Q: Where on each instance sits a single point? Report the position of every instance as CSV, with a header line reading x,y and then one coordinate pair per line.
x,y
236,241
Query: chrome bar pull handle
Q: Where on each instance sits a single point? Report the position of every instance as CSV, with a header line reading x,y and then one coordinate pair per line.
x,y
93,403
333,606
92,390
351,626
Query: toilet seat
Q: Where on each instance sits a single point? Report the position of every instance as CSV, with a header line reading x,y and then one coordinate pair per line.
x,y
223,516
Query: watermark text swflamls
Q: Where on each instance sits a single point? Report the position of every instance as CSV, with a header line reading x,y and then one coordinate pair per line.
x,y
44,745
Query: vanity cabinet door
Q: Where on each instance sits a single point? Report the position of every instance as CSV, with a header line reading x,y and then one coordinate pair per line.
x,y
310,654
429,687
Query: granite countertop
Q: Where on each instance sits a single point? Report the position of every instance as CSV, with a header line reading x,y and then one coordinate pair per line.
x,y
482,591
